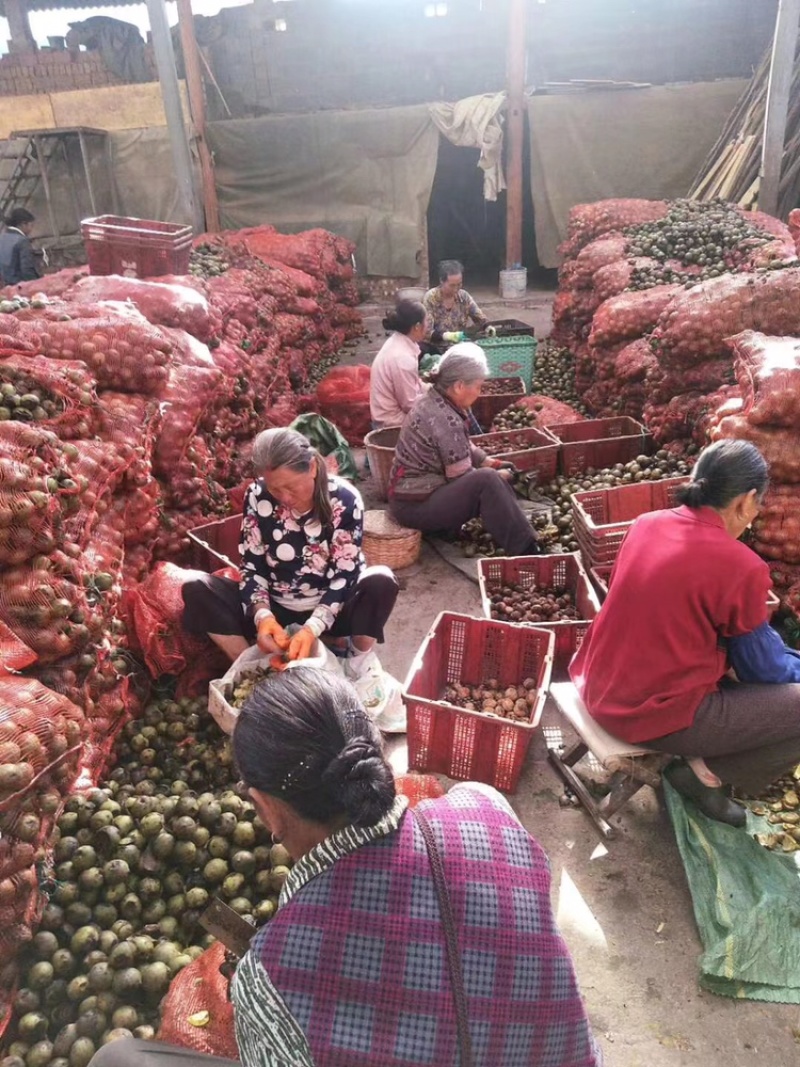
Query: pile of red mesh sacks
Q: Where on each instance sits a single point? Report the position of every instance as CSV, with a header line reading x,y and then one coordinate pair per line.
x,y
127,412
649,291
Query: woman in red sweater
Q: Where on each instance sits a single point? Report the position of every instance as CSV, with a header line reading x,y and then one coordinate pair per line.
x,y
652,669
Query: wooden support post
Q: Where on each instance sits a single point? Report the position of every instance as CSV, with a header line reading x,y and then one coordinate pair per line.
x,y
19,26
197,103
780,83
515,130
173,109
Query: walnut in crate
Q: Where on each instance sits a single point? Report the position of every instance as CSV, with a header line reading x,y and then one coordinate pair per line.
x,y
516,417
498,387
515,702
515,603
510,442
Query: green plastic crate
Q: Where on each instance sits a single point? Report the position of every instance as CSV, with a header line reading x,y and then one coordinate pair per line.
x,y
511,357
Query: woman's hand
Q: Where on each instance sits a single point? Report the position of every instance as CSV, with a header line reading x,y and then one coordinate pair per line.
x,y
301,644
271,635
505,470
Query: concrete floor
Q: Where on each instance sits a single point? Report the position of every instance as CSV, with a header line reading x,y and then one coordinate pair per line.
x,y
623,906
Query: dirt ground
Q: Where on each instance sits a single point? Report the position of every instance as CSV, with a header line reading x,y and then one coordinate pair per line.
x,y
623,906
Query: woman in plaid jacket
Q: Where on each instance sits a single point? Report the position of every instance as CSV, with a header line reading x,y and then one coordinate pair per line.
x,y
353,969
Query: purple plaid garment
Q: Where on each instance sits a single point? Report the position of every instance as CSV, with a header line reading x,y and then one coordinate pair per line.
x,y
358,953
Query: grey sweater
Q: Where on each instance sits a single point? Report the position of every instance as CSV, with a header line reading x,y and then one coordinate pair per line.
x,y
434,448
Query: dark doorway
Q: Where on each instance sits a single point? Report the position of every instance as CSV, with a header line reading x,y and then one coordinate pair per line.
x,y
461,224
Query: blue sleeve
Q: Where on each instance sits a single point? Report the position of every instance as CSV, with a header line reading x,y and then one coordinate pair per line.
x,y
761,656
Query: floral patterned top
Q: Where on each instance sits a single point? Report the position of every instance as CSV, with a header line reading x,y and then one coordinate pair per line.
x,y
291,560
461,315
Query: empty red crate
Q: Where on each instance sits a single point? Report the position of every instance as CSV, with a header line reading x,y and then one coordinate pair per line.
x,y
216,544
530,449
470,745
599,443
490,404
602,517
136,248
546,572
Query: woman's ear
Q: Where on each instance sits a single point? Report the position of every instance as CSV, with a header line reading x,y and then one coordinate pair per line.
x,y
272,812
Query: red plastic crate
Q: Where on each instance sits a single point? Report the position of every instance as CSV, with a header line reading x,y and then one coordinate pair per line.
x,y
547,572
530,449
136,248
469,745
600,443
216,544
488,405
602,517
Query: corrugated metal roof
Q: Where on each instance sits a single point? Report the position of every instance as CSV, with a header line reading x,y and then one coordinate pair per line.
x,y
73,5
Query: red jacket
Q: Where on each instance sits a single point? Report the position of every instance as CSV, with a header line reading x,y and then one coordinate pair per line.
x,y
652,655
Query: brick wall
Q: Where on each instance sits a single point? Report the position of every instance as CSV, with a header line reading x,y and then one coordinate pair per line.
x,y
53,72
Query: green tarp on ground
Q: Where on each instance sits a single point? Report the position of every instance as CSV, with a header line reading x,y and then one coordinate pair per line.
x,y
746,905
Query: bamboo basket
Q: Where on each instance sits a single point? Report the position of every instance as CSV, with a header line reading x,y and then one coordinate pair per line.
x,y
388,544
380,446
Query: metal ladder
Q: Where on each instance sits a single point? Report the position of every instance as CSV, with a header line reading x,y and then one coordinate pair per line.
x,y
20,172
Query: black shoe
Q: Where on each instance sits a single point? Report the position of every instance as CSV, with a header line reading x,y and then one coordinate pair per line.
x,y
714,803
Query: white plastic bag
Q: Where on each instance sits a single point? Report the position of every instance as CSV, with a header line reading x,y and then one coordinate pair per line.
x,y
379,692
220,690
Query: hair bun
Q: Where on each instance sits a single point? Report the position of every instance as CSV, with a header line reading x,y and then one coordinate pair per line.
x,y
359,776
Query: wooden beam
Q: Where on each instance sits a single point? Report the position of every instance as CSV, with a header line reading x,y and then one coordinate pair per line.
x,y
173,109
19,27
197,104
780,82
515,130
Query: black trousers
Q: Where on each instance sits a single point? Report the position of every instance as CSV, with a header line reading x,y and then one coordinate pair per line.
x,y
212,606
480,493
130,1052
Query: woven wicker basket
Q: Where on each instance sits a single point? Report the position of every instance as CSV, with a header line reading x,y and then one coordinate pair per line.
x,y
388,544
380,445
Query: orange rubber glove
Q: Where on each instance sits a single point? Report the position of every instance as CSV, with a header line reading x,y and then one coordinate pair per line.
x,y
301,644
269,627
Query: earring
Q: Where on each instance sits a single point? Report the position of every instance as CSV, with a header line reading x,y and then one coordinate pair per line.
x,y
276,839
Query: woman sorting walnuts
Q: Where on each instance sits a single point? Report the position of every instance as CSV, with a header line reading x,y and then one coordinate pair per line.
x,y
373,959
301,566
441,479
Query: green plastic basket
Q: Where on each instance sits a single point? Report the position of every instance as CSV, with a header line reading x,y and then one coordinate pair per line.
x,y
510,357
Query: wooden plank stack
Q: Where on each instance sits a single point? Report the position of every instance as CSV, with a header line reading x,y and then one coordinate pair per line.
x,y
731,170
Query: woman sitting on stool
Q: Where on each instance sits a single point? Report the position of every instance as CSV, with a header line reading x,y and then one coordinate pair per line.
x,y
439,478
301,564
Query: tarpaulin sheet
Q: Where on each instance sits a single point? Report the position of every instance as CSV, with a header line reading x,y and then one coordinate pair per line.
x,y
746,905
477,122
366,175
144,174
627,143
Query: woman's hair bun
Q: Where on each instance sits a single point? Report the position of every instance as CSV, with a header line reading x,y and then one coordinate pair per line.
x,y
362,781
694,495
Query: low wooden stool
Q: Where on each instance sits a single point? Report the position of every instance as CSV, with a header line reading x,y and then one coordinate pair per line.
x,y
630,766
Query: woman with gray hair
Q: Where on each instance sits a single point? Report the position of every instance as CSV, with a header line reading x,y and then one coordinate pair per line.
x,y
301,563
440,479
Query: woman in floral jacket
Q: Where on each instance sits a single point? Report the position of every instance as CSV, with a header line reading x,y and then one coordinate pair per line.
x,y
301,564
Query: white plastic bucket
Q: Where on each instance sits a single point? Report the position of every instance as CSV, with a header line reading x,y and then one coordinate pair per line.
x,y
411,293
514,283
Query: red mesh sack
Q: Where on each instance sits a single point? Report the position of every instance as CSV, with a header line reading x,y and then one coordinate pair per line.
x,y
549,411
634,361
187,394
97,468
418,787
663,385
343,398
630,315
316,252
794,227
597,254
51,286
162,304
587,221
694,326
126,419
768,372
41,743
154,615
777,528
780,448
197,1013
122,354
66,391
